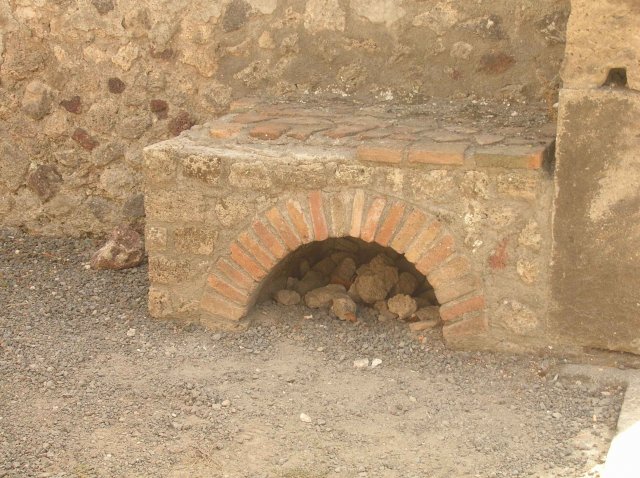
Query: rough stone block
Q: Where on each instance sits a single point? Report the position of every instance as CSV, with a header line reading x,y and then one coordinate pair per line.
x,y
155,238
602,35
194,240
45,181
160,305
159,165
166,270
249,176
595,278
37,100
177,206
202,168
84,139
306,176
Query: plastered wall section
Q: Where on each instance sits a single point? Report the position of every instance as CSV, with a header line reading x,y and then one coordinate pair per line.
x,y
596,258
85,85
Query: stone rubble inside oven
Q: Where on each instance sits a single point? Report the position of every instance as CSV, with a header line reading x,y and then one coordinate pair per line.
x,y
349,286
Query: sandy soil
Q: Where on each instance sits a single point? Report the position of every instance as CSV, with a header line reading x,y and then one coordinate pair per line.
x,y
91,386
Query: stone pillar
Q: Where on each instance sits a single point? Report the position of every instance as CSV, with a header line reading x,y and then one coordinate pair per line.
x,y
596,250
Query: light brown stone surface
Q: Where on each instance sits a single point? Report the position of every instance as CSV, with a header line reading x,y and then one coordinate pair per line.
x,y
602,35
287,297
344,308
595,278
402,305
323,296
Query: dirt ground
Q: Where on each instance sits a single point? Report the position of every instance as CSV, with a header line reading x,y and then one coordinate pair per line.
x,y
91,386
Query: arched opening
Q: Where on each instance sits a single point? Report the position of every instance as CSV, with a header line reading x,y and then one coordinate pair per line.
x,y
353,279
264,254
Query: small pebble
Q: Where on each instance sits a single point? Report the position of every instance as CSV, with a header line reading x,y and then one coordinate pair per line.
x,y
305,418
361,363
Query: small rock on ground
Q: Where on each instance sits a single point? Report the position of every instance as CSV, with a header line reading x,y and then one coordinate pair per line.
x,y
123,250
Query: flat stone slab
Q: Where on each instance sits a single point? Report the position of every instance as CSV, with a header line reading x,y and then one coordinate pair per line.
x,y
409,135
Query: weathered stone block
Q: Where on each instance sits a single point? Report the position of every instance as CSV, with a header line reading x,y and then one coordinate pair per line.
x,y
159,165
602,35
310,176
156,238
84,139
352,175
159,303
194,240
164,269
178,206
14,165
37,100
45,181
595,278
516,317
250,176
202,168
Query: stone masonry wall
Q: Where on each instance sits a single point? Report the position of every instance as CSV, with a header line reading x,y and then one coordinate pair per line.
x,y
86,84
229,200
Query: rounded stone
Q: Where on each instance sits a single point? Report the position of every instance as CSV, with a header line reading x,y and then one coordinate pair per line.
x,y
402,305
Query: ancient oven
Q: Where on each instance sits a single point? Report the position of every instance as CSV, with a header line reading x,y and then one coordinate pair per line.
x,y
463,206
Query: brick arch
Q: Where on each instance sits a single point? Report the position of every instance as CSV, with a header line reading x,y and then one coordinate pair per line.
x,y
239,271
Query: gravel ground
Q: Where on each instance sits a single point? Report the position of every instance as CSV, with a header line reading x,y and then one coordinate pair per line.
x,y
91,386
